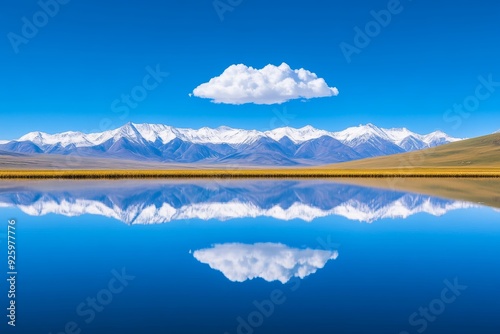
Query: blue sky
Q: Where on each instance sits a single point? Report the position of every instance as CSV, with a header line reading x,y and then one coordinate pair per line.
x,y
411,73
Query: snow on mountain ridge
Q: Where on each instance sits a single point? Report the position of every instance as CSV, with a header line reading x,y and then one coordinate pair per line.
x,y
297,135
231,136
63,138
152,214
397,135
438,136
362,131
220,135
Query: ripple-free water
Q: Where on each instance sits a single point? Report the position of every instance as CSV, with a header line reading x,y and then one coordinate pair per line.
x,y
249,257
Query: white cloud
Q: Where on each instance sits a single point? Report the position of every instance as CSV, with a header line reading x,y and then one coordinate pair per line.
x,y
269,261
240,84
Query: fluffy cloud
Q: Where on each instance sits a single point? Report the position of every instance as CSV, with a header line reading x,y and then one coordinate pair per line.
x,y
269,261
240,84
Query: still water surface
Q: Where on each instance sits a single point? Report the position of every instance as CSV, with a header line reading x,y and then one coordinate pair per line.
x,y
249,257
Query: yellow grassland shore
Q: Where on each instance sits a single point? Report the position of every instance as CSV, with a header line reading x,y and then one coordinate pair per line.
x,y
435,172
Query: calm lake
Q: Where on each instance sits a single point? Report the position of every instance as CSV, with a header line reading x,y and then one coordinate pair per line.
x,y
265,256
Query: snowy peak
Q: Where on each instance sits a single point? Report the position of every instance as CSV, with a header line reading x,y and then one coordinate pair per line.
x,y
398,135
36,137
64,138
360,133
438,138
128,131
296,135
154,132
220,135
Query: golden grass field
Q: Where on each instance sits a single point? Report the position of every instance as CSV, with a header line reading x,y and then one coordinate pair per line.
x,y
252,173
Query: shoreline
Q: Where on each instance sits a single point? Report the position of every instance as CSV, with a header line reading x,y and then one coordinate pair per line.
x,y
316,173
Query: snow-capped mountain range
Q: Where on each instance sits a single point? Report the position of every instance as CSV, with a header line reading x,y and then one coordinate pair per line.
x,y
134,202
281,146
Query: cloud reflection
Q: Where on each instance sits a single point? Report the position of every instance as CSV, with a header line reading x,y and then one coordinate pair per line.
x,y
269,261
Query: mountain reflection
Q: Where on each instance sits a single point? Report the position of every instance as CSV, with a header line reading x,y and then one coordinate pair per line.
x,y
149,202
269,261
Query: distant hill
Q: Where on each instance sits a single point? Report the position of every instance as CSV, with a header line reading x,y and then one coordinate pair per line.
x,y
481,152
15,161
11,154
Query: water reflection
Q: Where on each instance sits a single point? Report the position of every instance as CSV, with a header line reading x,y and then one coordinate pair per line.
x,y
269,261
143,202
